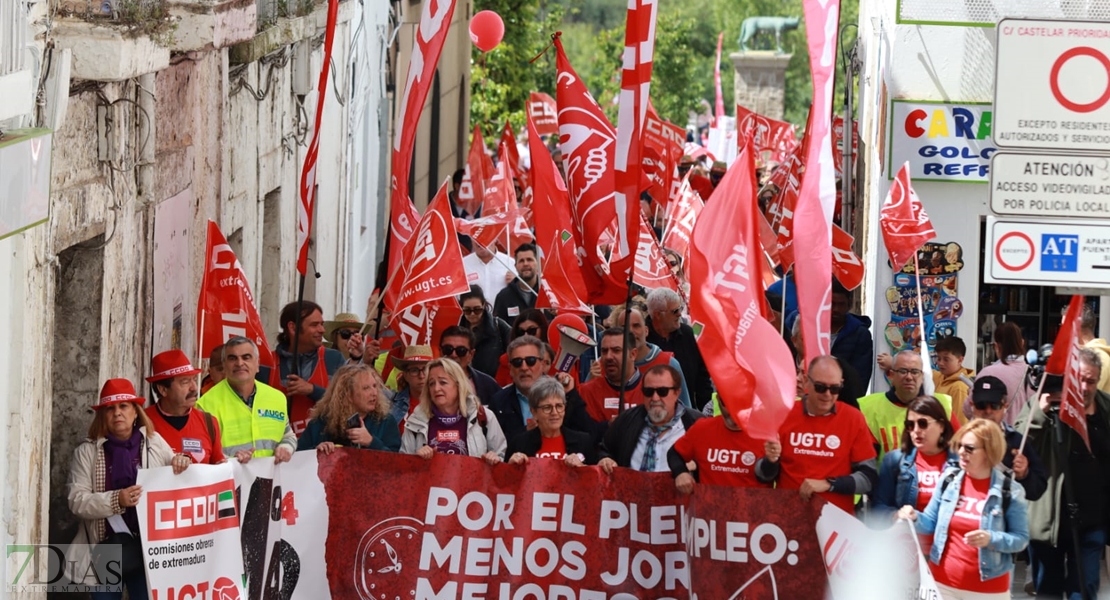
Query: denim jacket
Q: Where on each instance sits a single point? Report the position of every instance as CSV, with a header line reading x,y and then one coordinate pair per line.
x,y
1009,532
898,481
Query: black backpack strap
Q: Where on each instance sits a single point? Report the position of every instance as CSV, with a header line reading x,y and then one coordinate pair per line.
x,y
947,480
1007,482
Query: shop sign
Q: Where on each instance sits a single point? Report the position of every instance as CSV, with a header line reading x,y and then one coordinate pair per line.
x,y
1052,85
1060,252
942,142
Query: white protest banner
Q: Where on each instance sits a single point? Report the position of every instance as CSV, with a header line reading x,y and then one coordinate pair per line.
x,y
190,533
866,564
285,523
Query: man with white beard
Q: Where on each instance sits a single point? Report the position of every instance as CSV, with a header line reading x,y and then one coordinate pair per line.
x,y
641,436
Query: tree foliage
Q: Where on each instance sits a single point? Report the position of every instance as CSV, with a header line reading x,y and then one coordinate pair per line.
x,y
593,35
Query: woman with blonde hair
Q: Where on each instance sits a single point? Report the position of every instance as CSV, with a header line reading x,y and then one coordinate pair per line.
x,y
102,489
353,412
977,516
451,420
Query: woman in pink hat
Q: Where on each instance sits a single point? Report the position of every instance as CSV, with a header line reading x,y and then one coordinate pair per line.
x,y
102,489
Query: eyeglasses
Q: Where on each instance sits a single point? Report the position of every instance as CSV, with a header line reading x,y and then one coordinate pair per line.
x,y
549,409
676,311
458,351
982,405
530,331
966,448
921,423
520,360
821,388
472,310
662,392
904,372
347,333
414,371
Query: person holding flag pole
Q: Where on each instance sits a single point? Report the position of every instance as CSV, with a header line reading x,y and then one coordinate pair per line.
x,y
1065,556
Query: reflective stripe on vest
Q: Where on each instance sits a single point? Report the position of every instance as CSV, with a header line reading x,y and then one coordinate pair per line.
x,y
243,427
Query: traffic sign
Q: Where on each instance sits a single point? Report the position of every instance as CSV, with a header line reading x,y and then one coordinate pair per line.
x,y
1050,185
1052,85
1047,253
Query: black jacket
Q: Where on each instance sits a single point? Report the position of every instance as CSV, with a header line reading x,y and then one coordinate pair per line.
x,y
528,443
512,295
506,406
624,433
492,338
685,349
485,387
1036,480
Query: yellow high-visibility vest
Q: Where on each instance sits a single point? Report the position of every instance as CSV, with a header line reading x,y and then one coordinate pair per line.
x,y
886,420
258,428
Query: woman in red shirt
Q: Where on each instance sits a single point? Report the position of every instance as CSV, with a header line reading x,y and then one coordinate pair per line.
x,y
978,517
549,438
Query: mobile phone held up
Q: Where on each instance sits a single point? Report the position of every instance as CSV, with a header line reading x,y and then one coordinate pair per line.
x,y
354,421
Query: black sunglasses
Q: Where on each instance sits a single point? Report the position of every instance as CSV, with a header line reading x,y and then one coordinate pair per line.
x,y
662,392
520,360
530,331
458,351
981,405
921,424
346,333
473,310
821,388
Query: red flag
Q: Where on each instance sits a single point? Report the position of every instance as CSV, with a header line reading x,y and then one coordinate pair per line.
x,y
507,146
652,270
719,104
588,143
427,45
847,267
678,224
838,144
665,140
424,324
747,358
781,207
307,204
479,170
768,135
226,306
903,221
639,48
433,259
1072,411
544,113
557,292
817,197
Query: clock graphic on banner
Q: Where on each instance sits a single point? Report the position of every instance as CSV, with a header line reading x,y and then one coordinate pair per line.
x,y
385,551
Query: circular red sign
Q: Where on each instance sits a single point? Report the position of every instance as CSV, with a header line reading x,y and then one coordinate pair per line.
x,y
1054,79
1002,240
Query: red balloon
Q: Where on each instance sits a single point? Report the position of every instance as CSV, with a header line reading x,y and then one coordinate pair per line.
x,y
486,30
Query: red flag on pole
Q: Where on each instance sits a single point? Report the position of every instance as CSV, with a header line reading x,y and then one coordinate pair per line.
x,y
814,210
679,220
427,45
557,291
1072,411
479,170
226,306
903,221
768,135
652,270
747,358
424,324
847,267
544,114
639,49
308,173
433,260
588,143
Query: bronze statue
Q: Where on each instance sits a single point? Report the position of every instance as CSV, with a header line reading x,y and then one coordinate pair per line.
x,y
753,26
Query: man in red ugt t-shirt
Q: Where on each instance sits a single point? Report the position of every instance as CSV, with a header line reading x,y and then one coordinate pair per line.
x,y
824,447
725,455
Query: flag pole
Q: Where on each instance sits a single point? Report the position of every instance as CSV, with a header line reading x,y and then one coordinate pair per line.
x,y
624,338
927,382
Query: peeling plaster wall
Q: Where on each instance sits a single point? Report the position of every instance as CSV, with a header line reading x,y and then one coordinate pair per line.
x,y
80,305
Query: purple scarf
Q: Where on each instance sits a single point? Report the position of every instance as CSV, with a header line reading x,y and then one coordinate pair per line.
x,y
447,433
121,468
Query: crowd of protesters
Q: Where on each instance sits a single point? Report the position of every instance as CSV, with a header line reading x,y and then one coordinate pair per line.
x,y
954,461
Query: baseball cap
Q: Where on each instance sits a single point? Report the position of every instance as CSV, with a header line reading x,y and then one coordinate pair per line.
x,y
989,389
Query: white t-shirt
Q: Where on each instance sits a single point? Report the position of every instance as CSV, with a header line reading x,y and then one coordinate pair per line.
x,y
491,275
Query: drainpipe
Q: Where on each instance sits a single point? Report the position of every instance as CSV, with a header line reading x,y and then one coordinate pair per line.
x,y
146,138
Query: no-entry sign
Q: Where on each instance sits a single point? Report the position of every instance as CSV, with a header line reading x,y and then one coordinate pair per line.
x,y
1045,253
1052,85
